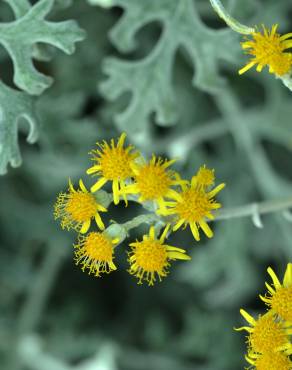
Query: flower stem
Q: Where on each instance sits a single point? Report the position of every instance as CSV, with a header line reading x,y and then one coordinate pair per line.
x,y
231,22
255,209
148,218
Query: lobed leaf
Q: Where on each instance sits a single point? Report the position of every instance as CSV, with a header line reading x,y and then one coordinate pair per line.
x,y
14,107
30,27
150,80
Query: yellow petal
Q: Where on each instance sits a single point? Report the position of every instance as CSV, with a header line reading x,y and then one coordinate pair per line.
x,y
82,186
93,169
274,29
205,227
276,281
178,224
249,360
116,194
112,265
85,227
246,68
152,232
195,231
286,36
248,317
287,281
101,208
173,248
264,299
270,289
178,256
99,222
71,187
174,194
99,184
216,190
259,67
130,189
164,234
194,181
122,140
247,328
168,163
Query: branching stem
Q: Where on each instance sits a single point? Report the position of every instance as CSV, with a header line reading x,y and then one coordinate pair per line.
x,y
255,208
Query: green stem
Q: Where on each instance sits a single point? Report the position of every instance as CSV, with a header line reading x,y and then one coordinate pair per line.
x,y
255,209
121,231
231,22
148,218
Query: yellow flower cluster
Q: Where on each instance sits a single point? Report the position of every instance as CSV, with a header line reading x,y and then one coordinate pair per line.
x,y
268,48
174,202
269,335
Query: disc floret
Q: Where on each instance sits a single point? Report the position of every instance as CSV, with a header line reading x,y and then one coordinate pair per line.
x,y
205,177
150,257
279,298
266,334
153,181
77,208
95,253
193,206
113,163
269,361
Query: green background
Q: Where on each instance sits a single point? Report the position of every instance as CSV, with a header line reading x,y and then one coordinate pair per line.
x,y
165,72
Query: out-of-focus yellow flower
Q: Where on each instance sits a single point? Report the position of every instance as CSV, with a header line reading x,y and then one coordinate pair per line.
x,y
77,208
94,252
266,335
279,299
268,49
113,163
194,204
150,257
205,177
153,181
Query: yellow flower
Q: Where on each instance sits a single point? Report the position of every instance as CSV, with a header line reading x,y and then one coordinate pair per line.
x,y
150,257
113,164
268,49
94,252
266,334
77,208
153,181
280,298
193,206
269,361
205,177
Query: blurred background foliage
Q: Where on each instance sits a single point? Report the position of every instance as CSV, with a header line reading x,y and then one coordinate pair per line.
x,y
164,71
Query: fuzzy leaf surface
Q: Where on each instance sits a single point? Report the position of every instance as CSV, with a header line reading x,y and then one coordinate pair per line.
x,y
20,36
149,80
15,106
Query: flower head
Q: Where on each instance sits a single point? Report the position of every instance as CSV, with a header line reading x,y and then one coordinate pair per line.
x,y
268,49
113,163
94,252
150,257
77,208
193,205
279,299
205,177
266,334
269,361
153,180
